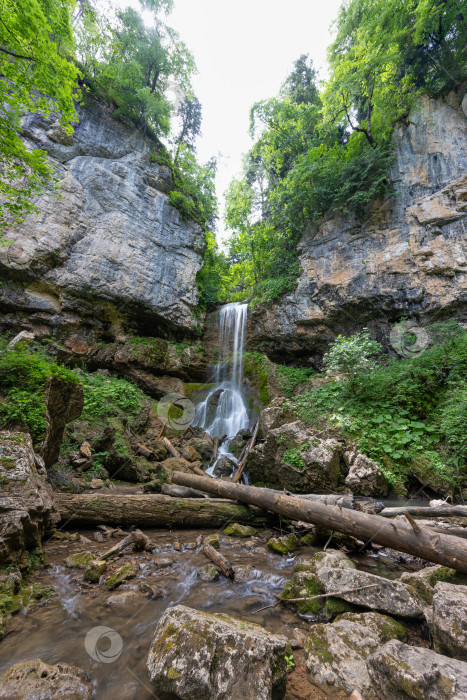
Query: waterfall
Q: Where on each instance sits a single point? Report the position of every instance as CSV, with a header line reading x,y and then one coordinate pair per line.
x,y
224,412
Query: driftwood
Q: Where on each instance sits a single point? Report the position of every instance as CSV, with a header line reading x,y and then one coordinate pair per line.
x,y
446,511
170,448
137,538
440,549
218,560
154,510
181,491
144,451
241,465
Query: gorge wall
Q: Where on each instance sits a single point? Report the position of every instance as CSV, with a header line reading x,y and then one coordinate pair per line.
x,y
408,257
108,249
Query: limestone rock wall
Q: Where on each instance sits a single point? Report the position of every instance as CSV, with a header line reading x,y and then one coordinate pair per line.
x,y
407,258
109,247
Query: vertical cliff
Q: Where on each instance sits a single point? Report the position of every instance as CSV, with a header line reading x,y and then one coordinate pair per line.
x,y
107,249
407,257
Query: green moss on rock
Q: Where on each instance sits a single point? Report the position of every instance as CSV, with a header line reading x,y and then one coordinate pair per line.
x,y
283,545
237,530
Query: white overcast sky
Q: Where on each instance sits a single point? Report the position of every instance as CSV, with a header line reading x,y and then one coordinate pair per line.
x,y
244,50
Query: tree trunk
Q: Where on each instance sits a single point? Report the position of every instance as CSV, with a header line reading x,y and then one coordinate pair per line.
x,y
218,560
241,466
441,549
137,538
153,510
446,511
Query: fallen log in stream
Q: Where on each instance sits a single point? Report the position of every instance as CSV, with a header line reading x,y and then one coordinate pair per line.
x,y
399,535
154,510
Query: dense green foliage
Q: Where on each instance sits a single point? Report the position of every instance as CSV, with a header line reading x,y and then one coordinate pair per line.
x,y
409,415
24,376
329,150
36,74
106,397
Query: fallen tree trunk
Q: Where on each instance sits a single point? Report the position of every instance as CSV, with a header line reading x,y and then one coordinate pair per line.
x,y
153,510
441,549
170,448
137,538
218,560
181,491
446,511
362,503
242,463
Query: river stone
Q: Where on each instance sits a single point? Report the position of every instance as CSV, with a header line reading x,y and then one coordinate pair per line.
x,y
425,580
388,596
338,651
237,530
198,656
224,466
190,454
402,672
208,573
27,508
294,458
36,680
284,544
121,598
202,445
448,623
332,559
365,477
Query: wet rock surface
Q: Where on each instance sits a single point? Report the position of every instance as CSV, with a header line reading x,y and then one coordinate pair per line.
x,y
233,658
27,508
402,672
35,679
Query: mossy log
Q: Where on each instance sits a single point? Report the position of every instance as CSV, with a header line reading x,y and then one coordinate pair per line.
x,y
399,535
153,510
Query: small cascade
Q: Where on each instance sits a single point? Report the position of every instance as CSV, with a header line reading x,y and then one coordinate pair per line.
x,y
224,411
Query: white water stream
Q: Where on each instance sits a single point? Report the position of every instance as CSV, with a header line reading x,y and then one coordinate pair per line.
x,y
224,411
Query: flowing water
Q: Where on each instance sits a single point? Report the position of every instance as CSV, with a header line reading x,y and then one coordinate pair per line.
x,y
224,410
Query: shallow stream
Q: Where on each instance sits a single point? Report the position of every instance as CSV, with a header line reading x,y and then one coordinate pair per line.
x,y
56,630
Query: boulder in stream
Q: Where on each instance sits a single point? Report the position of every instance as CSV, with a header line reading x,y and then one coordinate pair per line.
x,y
373,592
448,623
402,672
336,653
196,655
27,505
34,679
224,466
202,445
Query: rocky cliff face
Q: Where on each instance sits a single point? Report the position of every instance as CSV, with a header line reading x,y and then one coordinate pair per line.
x,y
110,247
407,258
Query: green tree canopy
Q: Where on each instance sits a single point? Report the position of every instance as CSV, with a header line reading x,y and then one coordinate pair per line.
x,y
37,73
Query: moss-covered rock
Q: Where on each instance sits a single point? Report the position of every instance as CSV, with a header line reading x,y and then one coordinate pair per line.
x,y
208,573
284,544
305,586
94,570
234,659
212,540
79,560
124,573
237,530
336,653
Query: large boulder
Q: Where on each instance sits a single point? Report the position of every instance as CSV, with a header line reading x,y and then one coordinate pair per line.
x,y
336,653
224,466
402,672
374,592
448,623
203,445
27,508
294,458
197,656
36,680
365,478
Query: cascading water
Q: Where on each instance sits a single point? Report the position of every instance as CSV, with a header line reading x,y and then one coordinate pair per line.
x,y
224,411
